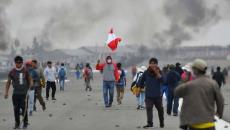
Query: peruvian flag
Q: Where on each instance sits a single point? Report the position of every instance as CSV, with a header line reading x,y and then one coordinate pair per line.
x,y
112,40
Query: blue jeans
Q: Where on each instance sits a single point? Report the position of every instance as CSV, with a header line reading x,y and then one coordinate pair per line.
x,y
164,89
172,102
78,74
108,92
31,101
62,83
141,99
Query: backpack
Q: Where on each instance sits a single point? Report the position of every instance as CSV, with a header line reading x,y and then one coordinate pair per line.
x,y
62,73
134,88
88,73
121,81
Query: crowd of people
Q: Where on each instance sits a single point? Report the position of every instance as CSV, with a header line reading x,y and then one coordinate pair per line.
x,y
149,86
28,79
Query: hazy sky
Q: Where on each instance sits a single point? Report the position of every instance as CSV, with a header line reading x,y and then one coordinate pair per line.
x,y
74,23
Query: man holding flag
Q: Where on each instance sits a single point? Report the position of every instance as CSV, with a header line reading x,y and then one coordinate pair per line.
x,y
109,70
110,76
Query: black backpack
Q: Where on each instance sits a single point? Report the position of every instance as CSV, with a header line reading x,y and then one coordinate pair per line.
x,y
134,83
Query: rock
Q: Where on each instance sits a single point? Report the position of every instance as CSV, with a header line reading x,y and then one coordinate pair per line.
x,y
3,120
117,126
50,115
70,118
83,115
64,104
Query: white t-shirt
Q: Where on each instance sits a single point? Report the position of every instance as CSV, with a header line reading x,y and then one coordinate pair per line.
x,y
50,73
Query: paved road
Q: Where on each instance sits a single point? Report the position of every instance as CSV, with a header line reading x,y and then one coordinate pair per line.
x,y
77,109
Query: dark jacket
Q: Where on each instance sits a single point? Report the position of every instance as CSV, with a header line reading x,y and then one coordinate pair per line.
x,y
179,70
151,83
164,77
219,78
173,79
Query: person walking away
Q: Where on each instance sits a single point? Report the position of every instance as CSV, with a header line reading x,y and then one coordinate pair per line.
x,y
62,76
140,95
152,79
21,82
110,76
164,86
173,79
201,97
87,74
218,76
120,85
38,83
49,74
78,71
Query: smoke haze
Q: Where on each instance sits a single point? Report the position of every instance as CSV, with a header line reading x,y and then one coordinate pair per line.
x,y
4,34
74,23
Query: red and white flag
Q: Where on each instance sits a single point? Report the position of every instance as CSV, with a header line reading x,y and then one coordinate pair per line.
x,y
112,40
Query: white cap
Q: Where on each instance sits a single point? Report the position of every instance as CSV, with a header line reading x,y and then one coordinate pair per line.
x,y
187,67
142,68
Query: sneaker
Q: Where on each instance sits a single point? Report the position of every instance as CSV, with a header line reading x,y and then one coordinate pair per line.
x,y
47,99
162,125
147,126
110,104
44,107
25,126
169,113
54,99
175,114
16,126
142,108
138,107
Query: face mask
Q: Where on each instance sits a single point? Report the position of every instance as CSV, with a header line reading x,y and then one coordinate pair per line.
x,y
109,61
19,68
